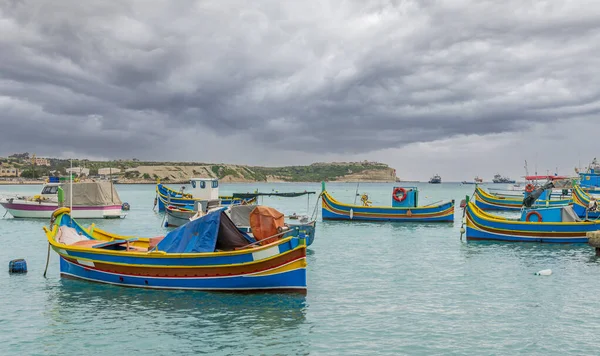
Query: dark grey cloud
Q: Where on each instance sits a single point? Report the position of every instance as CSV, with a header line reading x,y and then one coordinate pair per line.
x,y
111,79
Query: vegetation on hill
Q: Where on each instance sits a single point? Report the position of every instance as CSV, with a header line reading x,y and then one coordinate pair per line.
x,y
316,172
148,171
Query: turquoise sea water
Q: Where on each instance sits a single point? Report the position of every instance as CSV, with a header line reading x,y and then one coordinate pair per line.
x,y
373,288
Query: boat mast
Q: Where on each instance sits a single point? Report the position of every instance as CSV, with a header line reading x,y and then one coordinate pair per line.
x,y
111,184
71,190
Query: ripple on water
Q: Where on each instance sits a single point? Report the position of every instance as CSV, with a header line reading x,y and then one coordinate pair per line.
x,y
374,288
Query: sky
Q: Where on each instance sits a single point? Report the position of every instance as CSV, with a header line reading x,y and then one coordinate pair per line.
x,y
461,88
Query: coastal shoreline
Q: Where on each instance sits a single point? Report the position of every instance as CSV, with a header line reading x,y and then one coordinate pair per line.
x,y
187,182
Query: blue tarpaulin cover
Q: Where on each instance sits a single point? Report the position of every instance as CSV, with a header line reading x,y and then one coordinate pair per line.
x,y
202,235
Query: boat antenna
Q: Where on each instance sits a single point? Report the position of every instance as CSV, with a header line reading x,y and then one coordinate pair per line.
x,y
112,186
356,194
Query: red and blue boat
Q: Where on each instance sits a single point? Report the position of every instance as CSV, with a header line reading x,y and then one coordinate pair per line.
x,y
404,208
209,253
548,225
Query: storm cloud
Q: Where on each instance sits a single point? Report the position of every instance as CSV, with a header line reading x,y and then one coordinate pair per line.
x,y
317,78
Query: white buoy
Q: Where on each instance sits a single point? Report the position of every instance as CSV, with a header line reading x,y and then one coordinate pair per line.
x,y
351,214
544,272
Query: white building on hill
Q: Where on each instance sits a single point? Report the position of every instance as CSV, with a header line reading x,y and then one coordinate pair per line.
x,y
79,171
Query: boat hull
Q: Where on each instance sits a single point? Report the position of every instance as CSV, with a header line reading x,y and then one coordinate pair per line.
x,y
483,226
334,210
280,280
177,218
32,210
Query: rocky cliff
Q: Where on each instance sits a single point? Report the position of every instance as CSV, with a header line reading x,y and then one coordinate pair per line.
x,y
338,171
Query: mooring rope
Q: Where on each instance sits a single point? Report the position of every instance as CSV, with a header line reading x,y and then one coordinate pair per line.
x,y
313,217
47,260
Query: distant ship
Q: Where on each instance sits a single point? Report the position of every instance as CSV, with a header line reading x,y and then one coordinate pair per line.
x,y
499,179
476,180
436,179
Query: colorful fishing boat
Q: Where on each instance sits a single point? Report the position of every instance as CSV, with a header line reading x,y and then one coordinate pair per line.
x,y
203,192
549,225
209,253
589,180
404,208
487,201
91,200
584,205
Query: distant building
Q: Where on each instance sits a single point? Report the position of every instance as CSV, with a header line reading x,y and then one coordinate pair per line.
x,y
79,171
108,171
42,162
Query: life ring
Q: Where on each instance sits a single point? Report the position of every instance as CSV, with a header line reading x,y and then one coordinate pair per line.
x,y
533,212
395,194
529,188
59,211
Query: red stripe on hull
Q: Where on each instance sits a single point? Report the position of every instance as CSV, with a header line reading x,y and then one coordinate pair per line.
x,y
208,271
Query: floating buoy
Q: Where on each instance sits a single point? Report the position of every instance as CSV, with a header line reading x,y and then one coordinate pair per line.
x,y
166,224
544,272
463,203
462,230
125,206
17,266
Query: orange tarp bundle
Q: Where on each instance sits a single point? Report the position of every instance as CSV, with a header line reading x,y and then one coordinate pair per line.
x,y
266,222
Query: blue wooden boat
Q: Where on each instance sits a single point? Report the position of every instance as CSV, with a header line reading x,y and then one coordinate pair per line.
x,y
404,208
209,253
487,201
550,225
203,192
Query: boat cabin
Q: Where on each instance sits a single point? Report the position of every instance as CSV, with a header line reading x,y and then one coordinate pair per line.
x,y
561,214
50,189
204,188
405,197
591,179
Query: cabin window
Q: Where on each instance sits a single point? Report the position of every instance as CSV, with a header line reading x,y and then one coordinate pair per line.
x,y
193,182
50,190
202,184
215,183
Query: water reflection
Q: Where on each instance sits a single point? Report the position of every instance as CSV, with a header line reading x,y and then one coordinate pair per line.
x,y
178,315
275,309
410,226
525,249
